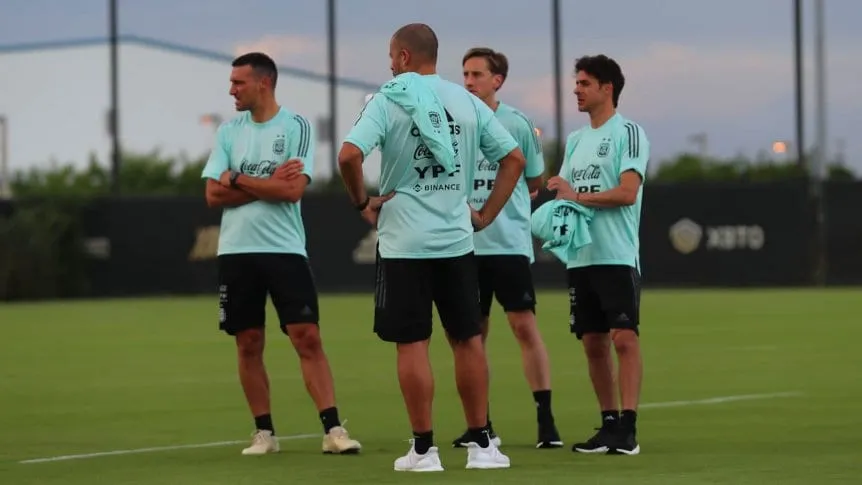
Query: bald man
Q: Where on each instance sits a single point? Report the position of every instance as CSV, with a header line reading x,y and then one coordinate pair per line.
x,y
425,236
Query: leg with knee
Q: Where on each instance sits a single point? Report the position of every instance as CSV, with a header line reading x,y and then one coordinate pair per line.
x,y
471,379
533,352
465,438
316,372
417,383
537,370
252,372
627,347
597,347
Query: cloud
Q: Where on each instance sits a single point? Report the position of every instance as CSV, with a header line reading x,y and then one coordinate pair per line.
x,y
669,78
310,53
666,81
293,50
671,81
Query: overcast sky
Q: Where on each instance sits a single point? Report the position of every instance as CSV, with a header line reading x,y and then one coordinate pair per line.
x,y
720,67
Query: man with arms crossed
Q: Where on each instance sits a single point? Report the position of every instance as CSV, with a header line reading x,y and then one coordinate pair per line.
x,y
604,168
262,245
504,249
425,253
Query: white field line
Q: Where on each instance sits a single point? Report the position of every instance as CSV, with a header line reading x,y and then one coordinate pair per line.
x,y
160,448
668,404
720,400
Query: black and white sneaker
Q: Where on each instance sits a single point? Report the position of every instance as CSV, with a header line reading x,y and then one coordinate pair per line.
x,y
625,443
464,439
601,442
549,437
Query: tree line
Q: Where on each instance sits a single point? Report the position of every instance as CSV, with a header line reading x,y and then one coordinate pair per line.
x,y
154,173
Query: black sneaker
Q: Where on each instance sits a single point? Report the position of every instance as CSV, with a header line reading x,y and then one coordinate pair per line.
x,y
549,437
625,443
463,440
601,442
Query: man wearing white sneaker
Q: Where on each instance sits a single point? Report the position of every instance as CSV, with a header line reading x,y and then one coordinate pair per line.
x,y
431,133
258,172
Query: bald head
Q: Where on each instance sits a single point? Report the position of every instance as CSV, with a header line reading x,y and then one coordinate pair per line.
x,y
419,40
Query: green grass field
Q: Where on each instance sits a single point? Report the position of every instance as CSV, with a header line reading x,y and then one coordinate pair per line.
x,y
91,377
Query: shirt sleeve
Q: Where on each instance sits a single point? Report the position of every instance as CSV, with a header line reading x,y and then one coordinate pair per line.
x,y
219,159
306,145
634,150
369,130
495,141
531,145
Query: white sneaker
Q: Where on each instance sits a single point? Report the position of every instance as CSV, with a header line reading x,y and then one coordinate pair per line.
x,y
338,441
262,442
486,458
414,462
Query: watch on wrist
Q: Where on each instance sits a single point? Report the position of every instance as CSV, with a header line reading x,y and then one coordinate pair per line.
x,y
361,207
233,176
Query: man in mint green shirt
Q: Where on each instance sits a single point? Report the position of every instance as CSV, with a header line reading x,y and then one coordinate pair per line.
x,y
604,168
257,173
425,230
504,250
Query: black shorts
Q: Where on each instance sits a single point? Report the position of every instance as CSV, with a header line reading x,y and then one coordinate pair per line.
x,y
603,297
406,290
245,280
510,279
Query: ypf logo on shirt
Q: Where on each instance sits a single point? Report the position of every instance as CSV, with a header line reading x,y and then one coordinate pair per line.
x,y
685,236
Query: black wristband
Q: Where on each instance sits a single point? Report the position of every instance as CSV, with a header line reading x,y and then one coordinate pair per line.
x,y
361,207
233,176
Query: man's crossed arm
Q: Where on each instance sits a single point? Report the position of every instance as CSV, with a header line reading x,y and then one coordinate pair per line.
x,y
287,184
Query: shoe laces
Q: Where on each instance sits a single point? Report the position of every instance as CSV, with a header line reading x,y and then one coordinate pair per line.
x,y
339,431
259,437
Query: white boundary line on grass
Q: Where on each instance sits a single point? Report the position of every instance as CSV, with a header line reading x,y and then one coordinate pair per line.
x,y
668,404
720,400
161,448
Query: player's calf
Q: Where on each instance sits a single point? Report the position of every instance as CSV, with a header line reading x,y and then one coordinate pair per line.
x,y
537,371
471,379
627,346
255,386
317,375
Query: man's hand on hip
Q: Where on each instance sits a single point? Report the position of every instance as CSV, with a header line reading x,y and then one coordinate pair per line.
x,y
372,211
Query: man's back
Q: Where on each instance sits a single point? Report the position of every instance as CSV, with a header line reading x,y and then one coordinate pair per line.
x,y
429,216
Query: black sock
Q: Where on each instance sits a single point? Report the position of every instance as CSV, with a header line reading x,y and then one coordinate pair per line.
x,y
480,436
422,442
610,419
264,421
489,416
543,406
329,418
629,419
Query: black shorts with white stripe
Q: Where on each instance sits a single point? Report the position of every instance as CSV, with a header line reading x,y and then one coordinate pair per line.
x,y
603,297
245,280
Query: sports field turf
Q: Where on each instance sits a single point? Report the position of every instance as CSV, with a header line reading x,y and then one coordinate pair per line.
x,y
742,387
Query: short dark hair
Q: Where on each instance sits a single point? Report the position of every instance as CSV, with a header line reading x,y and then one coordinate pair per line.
x,y
260,63
419,39
605,70
497,61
